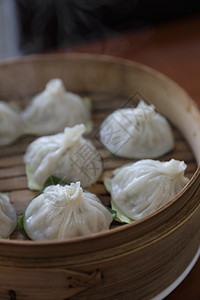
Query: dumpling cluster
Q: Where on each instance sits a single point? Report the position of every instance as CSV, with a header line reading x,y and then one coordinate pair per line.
x,y
66,155
8,217
137,132
65,212
49,112
11,126
53,109
140,188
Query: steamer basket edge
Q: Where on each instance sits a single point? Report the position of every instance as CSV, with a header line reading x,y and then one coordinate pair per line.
x,y
122,237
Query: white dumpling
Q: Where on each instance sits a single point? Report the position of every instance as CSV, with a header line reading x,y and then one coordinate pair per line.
x,y
66,155
138,189
53,109
65,212
8,216
137,132
11,126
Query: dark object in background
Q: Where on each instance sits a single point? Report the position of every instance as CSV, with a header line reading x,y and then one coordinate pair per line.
x,y
49,24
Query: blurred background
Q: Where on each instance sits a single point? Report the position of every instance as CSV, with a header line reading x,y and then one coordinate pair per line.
x,y
32,26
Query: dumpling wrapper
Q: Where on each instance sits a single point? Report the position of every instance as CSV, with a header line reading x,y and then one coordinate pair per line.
x,y
11,125
137,132
8,216
54,109
66,155
140,188
65,212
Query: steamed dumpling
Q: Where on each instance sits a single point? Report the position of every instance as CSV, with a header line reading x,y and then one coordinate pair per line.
x,y
11,126
138,189
65,212
54,109
8,217
137,132
66,155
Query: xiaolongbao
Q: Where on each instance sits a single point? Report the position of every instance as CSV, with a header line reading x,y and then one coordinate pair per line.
x,y
138,189
137,132
66,155
8,216
65,212
54,109
11,126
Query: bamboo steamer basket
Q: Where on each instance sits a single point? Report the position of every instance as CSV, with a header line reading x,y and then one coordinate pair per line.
x,y
142,260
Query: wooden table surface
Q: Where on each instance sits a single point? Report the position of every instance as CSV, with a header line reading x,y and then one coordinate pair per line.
x,y
174,49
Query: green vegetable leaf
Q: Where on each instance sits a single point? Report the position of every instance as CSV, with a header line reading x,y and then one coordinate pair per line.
x,y
53,180
21,226
109,153
112,211
87,101
88,127
32,184
14,106
122,218
107,183
119,216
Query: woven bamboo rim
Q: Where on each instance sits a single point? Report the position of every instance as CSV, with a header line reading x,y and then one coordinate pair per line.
x,y
108,81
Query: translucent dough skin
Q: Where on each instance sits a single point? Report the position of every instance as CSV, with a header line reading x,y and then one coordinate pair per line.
x,y
138,189
53,109
8,217
65,212
66,155
137,133
11,126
